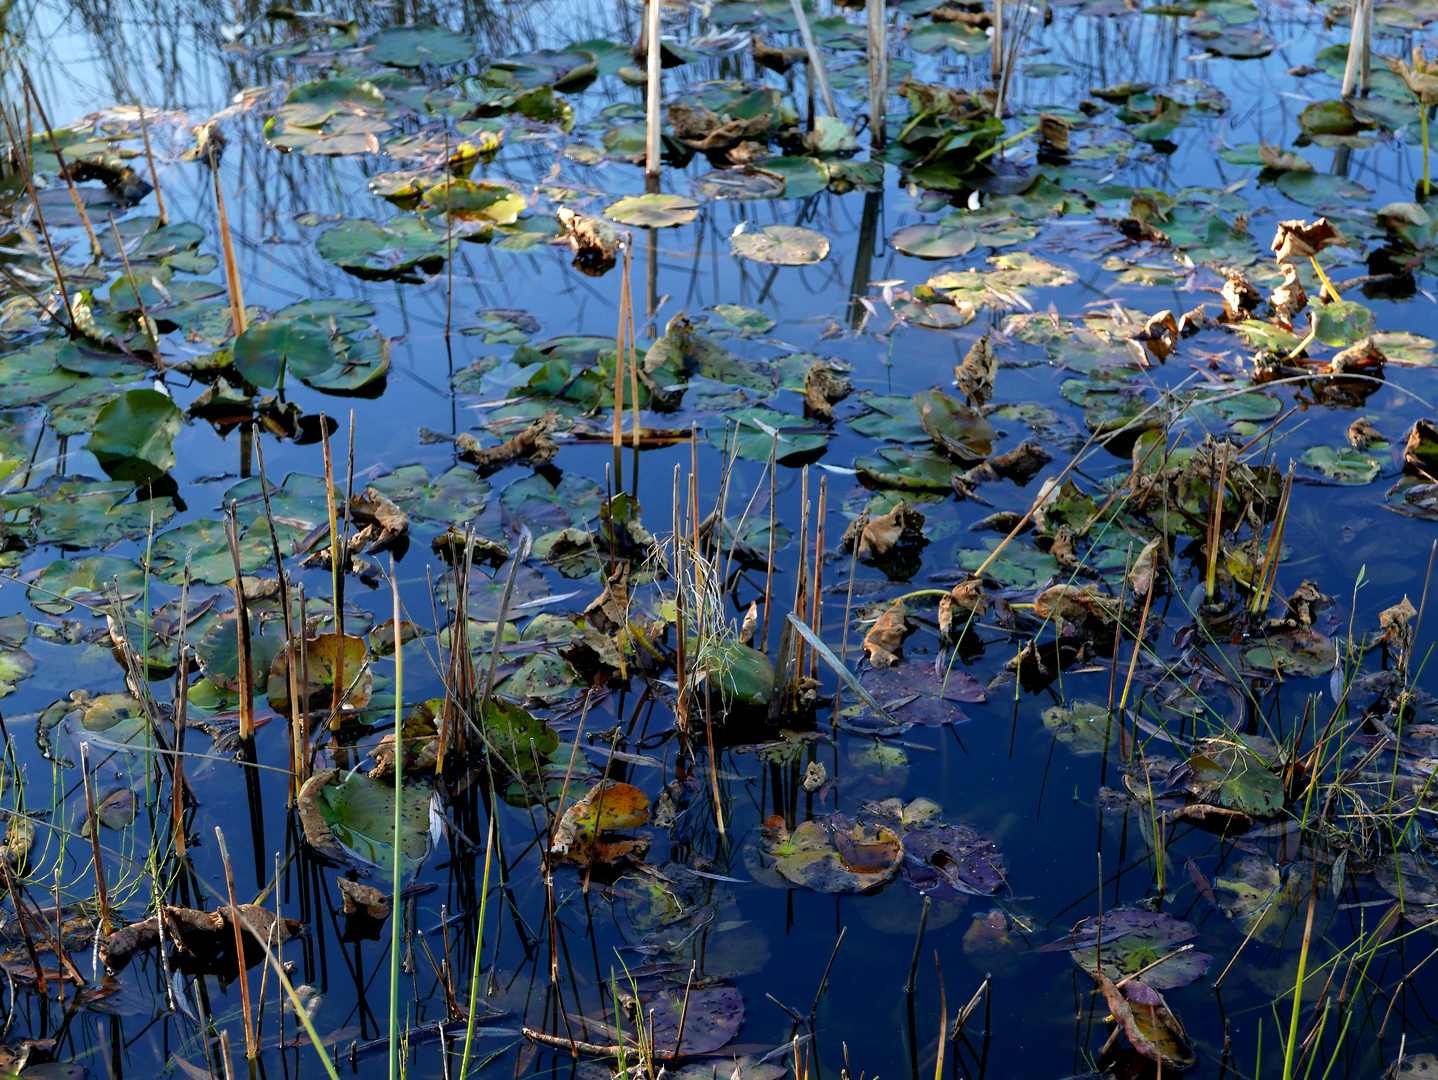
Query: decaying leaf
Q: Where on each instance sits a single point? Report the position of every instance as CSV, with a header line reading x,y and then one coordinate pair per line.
x,y
832,854
886,636
1289,298
1054,133
877,537
776,59
1420,75
533,444
1362,432
379,512
1068,603
1298,239
1363,358
825,383
1396,624
1144,573
363,899
1146,1019
582,835
451,545
1420,448
610,610
1021,464
1280,160
975,375
704,129
593,240
1240,298
204,940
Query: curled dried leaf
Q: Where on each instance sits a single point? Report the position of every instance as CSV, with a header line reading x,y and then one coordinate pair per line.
x,y
976,374
363,899
1362,432
593,240
1298,239
886,637
1281,160
533,444
1364,358
824,385
1240,298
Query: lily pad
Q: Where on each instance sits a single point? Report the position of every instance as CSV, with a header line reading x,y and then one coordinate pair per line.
x,y
653,211
134,435
414,46
1130,940
832,854
934,241
360,815
778,245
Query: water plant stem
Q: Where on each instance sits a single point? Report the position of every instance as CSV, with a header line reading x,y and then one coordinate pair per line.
x,y
395,853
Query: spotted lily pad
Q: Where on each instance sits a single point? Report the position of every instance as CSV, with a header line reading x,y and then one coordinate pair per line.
x,y
358,814
1130,940
940,860
388,249
832,854
934,241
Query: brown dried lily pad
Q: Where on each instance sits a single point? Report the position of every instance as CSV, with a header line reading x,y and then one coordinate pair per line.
x,y
203,940
1298,239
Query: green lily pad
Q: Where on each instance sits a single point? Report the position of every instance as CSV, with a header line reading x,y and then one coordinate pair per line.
x,y
203,543
897,467
455,497
954,426
360,812
388,249
417,45
1304,652
653,211
134,436
1344,464
778,245
265,351
1344,322
934,241
1123,941
754,432
515,737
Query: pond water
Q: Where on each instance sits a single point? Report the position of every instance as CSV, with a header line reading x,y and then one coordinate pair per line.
x,y
956,383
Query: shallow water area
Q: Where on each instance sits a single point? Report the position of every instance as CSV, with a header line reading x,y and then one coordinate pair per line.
x,y
944,403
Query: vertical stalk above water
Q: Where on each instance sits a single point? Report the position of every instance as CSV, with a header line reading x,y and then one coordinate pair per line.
x,y
816,58
878,72
1355,71
652,96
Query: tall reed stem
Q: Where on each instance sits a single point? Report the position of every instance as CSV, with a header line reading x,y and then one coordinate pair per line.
x,y
395,919
652,117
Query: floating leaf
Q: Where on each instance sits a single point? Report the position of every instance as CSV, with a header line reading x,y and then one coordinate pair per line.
x,y
653,211
832,854
414,46
134,435
1131,940
778,245
265,351
934,241
357,815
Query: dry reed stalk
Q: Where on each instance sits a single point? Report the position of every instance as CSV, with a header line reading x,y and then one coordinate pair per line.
x,y
619,360
336,557
154,173
291,674
816,58
227,248
1356,69
681,706
769,568
150,327
346,520
816,603
60,160
652,97
181,718
633,361
101,892
242,631
1118,634
22,917
250,1048
27,175
996,41
1137,646
1269,575
1215,527
801,581
878,72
